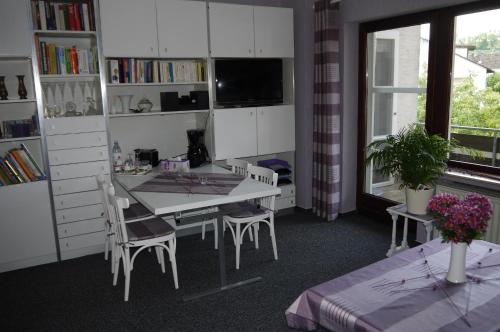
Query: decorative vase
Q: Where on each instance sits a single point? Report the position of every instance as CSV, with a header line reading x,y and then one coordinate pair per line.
x,y
21,88
456,271
125,102
417,200
3,89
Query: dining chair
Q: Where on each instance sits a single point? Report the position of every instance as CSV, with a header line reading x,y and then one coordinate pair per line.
x,y
238,166
135,212
143,234
248,216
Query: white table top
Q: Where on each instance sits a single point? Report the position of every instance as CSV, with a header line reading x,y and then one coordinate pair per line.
x,y
402,210
167,203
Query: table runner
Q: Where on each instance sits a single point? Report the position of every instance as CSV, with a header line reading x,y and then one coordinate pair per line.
x,y
190,183
407,292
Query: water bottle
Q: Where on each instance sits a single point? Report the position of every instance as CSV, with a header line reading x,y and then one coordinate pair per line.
x,y
117,157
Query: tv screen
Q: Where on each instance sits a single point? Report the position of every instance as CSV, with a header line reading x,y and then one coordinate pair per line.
x,y
249,81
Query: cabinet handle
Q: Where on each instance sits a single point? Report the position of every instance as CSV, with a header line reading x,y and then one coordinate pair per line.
x,y
250,51
102,214
102,168
99,138
165,50
101,153
260,50
60,188
58,173
251,113
62,203
67,244
65,231
151,48
64,217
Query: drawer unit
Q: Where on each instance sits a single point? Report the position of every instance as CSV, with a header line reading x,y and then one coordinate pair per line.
x,y
284,203
63,172
75,185
80,213
80,227
72,156
75,141
77,199
86,124
287,191
81,241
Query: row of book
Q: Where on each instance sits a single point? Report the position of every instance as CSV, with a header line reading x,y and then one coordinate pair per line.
x,y
60,60
75,16
20,128
131,70
19,166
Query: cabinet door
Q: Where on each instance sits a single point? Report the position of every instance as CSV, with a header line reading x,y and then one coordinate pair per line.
x,y
182,29
273,32
15,29
231,30
129,28
235,133
275,129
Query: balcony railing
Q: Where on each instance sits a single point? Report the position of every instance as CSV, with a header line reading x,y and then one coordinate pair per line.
x,y
485,143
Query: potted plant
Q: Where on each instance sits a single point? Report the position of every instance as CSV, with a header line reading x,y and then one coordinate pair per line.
x,y
414,158
460,222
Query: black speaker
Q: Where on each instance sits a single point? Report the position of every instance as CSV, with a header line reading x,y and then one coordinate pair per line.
x,y
169,101
200,99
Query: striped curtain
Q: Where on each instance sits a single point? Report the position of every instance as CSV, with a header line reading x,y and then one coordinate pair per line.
x,y
327,111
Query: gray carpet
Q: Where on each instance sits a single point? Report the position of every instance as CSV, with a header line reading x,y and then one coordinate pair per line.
x,y
78,295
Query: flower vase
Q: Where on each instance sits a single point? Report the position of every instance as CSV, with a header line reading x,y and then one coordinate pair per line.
x,y
125,102
456,271
21,88
3,89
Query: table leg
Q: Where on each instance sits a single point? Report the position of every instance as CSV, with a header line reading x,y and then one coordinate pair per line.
x,y
392,249
428,230
404,242
222,268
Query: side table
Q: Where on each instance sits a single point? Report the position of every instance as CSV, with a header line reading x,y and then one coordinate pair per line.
x,y
401,210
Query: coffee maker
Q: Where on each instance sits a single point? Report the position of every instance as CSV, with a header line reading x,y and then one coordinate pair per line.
x,y
197,152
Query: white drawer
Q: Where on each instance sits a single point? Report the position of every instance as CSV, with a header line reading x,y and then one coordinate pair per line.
x,y
61,157
79,170
287,190
80,213
75,185
75,141
81,241
284,203
80,227
79,199
74,125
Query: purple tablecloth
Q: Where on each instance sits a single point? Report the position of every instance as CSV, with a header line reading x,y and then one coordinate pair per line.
x,y
407,292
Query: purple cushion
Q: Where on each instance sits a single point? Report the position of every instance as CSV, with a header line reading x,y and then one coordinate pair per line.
x,y
243,210
148,229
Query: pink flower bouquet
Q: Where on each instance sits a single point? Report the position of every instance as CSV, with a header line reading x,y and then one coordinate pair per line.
x,y
461,220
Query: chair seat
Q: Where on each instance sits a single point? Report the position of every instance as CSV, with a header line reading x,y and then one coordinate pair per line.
x,y
244,210
148,229
136,211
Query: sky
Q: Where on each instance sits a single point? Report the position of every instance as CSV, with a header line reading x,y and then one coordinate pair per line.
x,y
477,23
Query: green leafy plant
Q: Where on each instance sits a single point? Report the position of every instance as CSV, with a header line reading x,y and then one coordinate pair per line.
x,y
412,156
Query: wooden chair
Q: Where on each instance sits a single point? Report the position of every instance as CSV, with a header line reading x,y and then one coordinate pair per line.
x,y
136,211
250,215
142,234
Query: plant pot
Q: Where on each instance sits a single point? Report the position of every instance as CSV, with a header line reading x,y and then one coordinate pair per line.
x,y
417,200
456,271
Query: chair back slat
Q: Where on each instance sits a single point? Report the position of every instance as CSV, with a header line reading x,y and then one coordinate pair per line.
x,y
267,176
238,166
116,207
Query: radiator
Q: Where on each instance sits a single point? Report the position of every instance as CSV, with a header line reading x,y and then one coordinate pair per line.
x,y
493,232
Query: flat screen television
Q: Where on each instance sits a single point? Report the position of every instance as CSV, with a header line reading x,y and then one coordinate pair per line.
x,y
248,82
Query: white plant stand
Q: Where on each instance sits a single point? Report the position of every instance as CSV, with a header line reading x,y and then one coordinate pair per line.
x,y
401,210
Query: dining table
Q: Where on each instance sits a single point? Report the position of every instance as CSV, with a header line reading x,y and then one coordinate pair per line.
x,y
163,203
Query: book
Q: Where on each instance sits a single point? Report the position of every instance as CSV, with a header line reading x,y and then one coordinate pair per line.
x,y
86,21
38,169
114,72
76,13
7,172
28,174
13,170
74,60
43,18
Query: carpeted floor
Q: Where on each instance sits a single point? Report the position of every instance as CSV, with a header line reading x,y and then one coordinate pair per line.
x,y
77,295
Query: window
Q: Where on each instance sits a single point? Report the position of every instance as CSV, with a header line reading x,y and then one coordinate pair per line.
x,y
404,77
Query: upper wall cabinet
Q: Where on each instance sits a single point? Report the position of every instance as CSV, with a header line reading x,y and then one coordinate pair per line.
x,y
15,31
182,29
129,28
231,30
273,32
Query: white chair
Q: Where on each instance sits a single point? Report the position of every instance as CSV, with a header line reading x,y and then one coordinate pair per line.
x,y
238,166
136,211
143,234
248,216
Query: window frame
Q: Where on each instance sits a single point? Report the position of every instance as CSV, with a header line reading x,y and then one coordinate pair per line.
x,y
439,86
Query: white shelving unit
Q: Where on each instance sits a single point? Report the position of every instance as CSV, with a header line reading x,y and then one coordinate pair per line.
x,y
16,101
155,84
19,139
125,115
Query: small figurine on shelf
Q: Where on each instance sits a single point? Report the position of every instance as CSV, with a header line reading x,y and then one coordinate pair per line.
x,y
3,89
21,88
91,108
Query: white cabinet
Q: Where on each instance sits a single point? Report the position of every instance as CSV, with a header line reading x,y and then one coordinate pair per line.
x,y
231,30
129,28
275,129
273,32
182,29
15,34
235,132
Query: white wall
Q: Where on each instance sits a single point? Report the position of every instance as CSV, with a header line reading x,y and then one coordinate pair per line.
x,y
354,12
